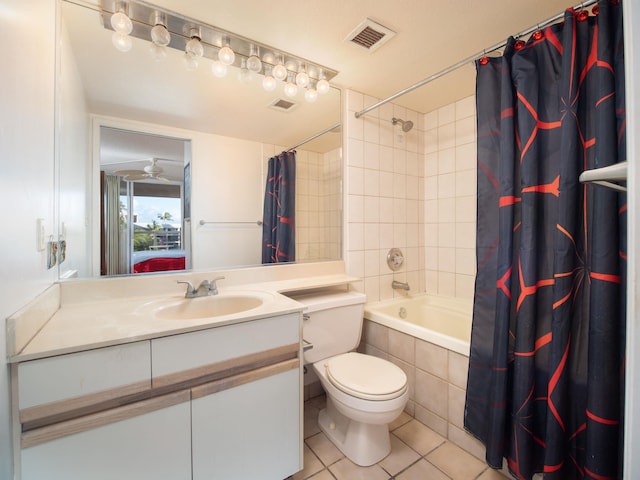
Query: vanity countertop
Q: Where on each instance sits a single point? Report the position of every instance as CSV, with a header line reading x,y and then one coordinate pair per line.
x,y
78,326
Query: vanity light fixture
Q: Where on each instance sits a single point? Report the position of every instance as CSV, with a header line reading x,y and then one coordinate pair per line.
x,y
167,29
160,36
290,89
245,74
269,83
226,54
279,70
302,78
122,27
253,62
194,45
311,94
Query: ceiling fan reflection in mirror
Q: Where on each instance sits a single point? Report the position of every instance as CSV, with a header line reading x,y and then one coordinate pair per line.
x,y
153,171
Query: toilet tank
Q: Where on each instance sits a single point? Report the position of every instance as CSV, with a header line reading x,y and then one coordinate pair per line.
x,y
332,322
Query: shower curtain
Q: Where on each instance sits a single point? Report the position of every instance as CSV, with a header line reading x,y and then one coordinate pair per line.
x,y
546,368
278,222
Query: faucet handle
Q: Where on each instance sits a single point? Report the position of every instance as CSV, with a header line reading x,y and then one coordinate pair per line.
x,y
213,288
190,287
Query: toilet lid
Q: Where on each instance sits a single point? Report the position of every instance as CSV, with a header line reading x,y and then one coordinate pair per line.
x,y
366,376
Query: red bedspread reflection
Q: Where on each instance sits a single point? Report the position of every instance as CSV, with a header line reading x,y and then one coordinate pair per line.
x,y
161,264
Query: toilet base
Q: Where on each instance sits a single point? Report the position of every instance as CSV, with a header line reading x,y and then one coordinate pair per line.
x,y
363,443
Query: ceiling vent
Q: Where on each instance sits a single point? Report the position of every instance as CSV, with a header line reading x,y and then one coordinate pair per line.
x,y
282,105
370,35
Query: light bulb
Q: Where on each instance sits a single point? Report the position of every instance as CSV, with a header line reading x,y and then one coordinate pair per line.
x,y
302,78
121,23
219,69
226,55
194,47
322,86
244,75
191,62
160,35
253,62
290,89
279,70
311,95
121,41
269,83
158,53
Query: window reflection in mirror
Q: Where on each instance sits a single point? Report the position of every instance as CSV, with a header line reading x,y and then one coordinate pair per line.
x,y
142,200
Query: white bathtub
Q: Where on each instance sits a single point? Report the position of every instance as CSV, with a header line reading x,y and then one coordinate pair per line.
x,y
444,321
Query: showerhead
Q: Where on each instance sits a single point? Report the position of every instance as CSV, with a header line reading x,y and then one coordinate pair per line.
x,y
406,124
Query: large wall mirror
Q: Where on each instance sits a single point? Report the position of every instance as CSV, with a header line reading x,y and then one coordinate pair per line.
x,y
186,154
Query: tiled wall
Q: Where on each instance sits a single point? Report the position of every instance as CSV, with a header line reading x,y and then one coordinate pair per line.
x,y
384,196
450,199
437,381
318,206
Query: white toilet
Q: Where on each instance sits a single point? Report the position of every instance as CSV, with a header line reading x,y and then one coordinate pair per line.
x,y
364,393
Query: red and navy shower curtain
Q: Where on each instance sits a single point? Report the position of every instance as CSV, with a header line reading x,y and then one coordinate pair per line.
x,y
546,368
278,222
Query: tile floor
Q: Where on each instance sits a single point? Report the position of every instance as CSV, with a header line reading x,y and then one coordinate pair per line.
x,y
417,453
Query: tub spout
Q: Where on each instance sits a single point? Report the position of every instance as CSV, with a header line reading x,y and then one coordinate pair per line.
x,y
400,285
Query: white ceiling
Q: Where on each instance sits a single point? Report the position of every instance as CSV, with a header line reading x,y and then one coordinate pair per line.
x,y
430,36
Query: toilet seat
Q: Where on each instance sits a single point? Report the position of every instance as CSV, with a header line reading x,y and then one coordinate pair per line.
x,y
365,376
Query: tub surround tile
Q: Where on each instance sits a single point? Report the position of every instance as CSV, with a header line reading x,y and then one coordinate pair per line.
x,y
402,346
458,368
432,393
455,412
432,359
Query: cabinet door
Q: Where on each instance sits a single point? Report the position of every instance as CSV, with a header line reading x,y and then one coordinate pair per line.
x,y
154,445
251,431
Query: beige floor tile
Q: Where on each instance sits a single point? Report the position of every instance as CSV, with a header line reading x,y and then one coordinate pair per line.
x,y
311,465
419,437
345,469
326,451
323,475
422,470
455,462
400,458
491,474
401,420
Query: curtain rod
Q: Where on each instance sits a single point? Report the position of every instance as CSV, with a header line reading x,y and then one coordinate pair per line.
x,y
470,59
313,137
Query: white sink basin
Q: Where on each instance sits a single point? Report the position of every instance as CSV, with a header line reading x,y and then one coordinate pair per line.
x,y
205,307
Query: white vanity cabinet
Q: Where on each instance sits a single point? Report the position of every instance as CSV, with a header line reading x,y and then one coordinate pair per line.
x,y
153,445
245,423
222,402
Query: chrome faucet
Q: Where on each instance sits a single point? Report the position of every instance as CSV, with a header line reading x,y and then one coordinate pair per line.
x,y
400,285
206,287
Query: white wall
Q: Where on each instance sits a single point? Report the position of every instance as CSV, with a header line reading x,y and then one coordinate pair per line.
x,y
26,169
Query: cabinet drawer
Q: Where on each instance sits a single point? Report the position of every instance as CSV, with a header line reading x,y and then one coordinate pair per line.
x,y
189,351
48,380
